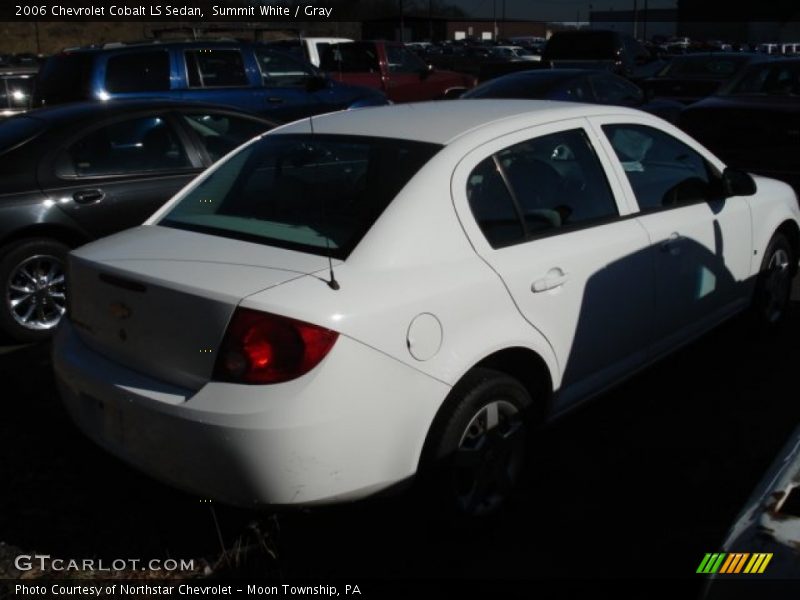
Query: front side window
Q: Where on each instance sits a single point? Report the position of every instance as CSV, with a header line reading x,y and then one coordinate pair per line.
x,y
213,68
555,182
141,145
313,193
351,57
402,60
138,72
663,171
282,70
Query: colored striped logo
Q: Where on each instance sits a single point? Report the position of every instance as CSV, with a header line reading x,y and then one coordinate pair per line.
x,y
734,562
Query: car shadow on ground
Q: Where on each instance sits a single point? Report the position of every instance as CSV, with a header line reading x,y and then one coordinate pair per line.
x,y
646,479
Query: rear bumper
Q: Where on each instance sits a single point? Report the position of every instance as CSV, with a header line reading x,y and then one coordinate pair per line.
x,y
351,427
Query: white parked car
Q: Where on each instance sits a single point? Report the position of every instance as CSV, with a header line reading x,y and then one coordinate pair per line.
x,y
341,304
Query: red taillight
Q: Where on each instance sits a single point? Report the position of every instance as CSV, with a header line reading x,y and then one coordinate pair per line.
x,y
264,348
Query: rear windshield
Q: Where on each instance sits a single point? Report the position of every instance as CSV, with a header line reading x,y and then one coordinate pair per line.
x,y
16,130
520,86
313,193
586,45
64,78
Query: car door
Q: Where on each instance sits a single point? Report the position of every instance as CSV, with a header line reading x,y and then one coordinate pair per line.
x,y
543,213
701,242
292,89
113,175
219,75
408,77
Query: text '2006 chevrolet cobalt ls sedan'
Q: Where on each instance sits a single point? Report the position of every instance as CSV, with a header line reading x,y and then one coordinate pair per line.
x,y
345,302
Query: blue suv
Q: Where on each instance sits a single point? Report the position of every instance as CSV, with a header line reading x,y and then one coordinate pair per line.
x,y
249,76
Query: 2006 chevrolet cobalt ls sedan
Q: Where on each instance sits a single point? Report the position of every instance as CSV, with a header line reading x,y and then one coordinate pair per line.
x,y
343,303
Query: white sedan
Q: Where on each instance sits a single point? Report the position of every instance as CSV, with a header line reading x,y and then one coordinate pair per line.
x,y
344,303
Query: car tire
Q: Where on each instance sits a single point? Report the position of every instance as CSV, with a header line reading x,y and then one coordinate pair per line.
x,y
773,288
475,452
32,288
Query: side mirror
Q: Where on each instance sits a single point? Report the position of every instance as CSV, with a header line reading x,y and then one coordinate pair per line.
x,y
454,93
737,183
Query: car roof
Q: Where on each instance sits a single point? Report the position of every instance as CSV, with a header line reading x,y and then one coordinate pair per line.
x,y
75,111
443,121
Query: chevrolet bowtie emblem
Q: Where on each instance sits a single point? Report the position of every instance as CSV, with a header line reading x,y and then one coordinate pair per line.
x,y
120,311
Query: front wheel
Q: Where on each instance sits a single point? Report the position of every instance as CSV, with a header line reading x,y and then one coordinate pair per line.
x,y
476,449
774,284
33,288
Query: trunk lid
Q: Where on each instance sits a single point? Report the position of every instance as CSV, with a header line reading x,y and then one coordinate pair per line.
x,y
158,300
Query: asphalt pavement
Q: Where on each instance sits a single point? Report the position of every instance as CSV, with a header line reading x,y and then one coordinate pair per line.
x,y
641,482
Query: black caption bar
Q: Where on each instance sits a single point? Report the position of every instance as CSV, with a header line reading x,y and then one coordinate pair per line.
x,y
177,10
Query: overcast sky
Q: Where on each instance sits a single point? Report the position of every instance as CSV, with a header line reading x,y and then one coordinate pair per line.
x,y
552,10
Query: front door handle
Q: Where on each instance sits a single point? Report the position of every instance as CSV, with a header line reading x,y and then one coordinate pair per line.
x,y
88,196
555,278
274,100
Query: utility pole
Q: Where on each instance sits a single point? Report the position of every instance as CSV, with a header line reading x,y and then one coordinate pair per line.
x,y
494,20
430,20
402,24
634,19
503,22
644,22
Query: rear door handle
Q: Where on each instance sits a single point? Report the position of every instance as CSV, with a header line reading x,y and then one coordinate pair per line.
x,y
672,244
88,196
555,278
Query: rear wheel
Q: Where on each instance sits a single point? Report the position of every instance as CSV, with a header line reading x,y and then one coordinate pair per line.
x,y
476,450
774,283
33,288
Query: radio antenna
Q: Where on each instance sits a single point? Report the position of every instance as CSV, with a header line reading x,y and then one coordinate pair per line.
x,y
332,283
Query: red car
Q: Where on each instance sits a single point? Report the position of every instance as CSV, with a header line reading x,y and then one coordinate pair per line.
x,y
391,68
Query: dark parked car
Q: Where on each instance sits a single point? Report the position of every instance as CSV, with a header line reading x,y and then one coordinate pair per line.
x,y
247,76
576,85
617,52
692,77
16,88
753,123
74,173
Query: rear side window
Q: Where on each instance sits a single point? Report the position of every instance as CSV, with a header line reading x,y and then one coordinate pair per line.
x,y
212,68
64,78
492,205
302,192
140,145
402,60
555,182
138,72
16,130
